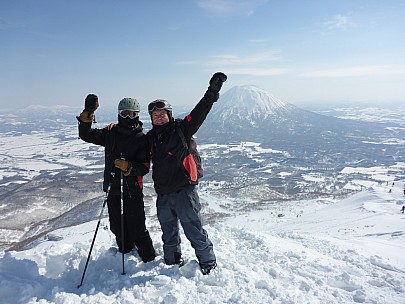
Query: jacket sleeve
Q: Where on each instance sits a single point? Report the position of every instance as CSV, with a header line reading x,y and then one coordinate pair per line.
x,y
94,136
195,119
141,165
140,169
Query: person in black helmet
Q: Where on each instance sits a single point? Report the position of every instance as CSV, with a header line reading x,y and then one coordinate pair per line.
x,y
126,150
175,180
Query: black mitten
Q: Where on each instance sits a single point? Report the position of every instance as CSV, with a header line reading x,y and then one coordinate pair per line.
x,y
216,82
91,103
215,86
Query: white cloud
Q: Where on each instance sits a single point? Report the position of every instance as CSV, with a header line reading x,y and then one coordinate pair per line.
x,y
258,58
258,64
229,7
340,22
257,71
356,71
174,28
258,40
187,62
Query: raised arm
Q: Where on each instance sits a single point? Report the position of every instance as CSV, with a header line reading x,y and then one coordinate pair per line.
x,y
85,119
194,120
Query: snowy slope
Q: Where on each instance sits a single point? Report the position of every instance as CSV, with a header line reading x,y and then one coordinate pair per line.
x,y
342,252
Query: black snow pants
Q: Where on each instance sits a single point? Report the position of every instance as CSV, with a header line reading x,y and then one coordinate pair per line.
x,y
135,232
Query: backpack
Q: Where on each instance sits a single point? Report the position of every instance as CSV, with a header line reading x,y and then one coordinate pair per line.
x,y
192,162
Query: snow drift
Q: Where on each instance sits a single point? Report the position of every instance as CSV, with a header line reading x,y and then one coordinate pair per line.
x,y
341,252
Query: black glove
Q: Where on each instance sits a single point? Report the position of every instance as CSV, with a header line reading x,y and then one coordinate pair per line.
x,y
216,82
91,103
215,86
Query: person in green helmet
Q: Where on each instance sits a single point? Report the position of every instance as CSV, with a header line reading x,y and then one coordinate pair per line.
x,y
126,150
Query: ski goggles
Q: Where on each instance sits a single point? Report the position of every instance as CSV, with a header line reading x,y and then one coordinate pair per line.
x,y
159,105
128,113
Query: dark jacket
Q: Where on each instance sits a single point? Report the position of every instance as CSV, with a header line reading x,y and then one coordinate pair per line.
x,y
131,145
167,150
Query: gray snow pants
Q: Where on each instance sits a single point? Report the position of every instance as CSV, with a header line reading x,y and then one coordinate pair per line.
x,y
185,206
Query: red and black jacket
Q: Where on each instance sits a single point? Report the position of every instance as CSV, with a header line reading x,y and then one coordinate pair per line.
x,y
170,171
120,142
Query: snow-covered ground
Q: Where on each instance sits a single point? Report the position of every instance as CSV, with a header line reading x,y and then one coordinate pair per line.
x,y
348,251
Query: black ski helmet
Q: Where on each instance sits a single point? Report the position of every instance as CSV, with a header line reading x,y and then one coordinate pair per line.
x,y
160,104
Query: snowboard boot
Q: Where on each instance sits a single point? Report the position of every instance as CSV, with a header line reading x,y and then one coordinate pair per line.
x,y
145,248
178,260
128,247
207,269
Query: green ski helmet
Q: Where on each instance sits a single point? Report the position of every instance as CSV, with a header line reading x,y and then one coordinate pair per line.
x,y
130,104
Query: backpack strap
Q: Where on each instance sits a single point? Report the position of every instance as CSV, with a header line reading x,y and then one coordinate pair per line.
x,y
189,162
182,137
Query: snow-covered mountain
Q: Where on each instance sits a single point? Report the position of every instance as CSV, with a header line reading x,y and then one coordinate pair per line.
x,y
250,114
246,112
307,142
251,104
249,108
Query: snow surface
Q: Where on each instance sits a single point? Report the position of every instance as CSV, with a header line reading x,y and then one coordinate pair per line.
x,y
348,251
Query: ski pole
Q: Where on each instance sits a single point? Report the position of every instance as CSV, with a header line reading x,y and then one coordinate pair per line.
x,y
95,234
122,219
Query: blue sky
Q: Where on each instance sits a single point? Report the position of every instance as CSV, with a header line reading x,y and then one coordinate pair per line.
x,y
327,51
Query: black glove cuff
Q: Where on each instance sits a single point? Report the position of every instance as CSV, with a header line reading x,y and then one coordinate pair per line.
x,y
211,95
215,88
